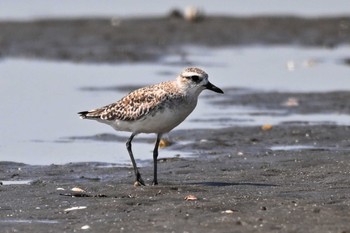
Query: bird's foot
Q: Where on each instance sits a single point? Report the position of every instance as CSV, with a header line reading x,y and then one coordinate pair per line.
x,y
155,182
139,182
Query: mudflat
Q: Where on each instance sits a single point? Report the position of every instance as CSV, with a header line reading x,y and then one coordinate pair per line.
x,y
292,177
147,39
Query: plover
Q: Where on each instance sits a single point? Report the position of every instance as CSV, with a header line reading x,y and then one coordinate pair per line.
x,y
154,109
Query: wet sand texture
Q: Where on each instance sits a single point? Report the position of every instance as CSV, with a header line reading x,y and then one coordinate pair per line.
x,y
112,40
240,185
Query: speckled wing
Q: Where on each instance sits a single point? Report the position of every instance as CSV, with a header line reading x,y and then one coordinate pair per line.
x,y
134,106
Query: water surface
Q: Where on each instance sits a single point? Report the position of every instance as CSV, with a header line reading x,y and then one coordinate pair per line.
x,y
41,98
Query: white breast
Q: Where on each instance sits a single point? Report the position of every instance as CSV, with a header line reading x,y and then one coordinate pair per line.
x,y
160,122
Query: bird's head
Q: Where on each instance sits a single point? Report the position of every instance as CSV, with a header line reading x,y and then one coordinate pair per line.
x,y
196,80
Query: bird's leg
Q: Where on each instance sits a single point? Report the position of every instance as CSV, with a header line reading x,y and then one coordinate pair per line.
x,y
155,156
138,180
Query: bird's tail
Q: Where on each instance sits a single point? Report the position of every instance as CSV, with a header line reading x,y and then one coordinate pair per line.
x,y
83,114
88,115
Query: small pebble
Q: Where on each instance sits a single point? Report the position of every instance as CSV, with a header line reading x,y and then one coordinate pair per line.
x,y
76,189
85,227
266,127
228,212
191,198
164,143
291,102
75,208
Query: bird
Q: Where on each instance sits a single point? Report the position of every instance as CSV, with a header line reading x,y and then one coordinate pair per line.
x,y
157,109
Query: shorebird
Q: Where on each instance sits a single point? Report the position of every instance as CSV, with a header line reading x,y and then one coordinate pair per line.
x,y
154,109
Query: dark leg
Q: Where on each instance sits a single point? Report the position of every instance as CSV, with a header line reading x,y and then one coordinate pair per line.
x,y
138,180
155,156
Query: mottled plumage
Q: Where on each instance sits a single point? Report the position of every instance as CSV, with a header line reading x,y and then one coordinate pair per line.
x,y
138,103
154,109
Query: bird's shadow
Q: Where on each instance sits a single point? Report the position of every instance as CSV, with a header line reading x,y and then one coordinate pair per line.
x,y
223,184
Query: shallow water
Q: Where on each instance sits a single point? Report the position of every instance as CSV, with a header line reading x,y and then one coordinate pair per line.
x,y
294,147
15,182
28,221
42,98
314,147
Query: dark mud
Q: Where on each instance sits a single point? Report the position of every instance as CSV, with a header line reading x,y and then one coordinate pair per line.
x,y
148,39
242,184
290,102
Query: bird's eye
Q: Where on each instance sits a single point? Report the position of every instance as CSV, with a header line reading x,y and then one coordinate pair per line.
x,y
195,78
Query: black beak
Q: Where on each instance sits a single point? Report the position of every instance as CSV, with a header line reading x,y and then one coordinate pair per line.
x,y
212,87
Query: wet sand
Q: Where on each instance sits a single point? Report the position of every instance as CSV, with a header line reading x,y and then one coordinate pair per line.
x,y
147,39
240,182
241,185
